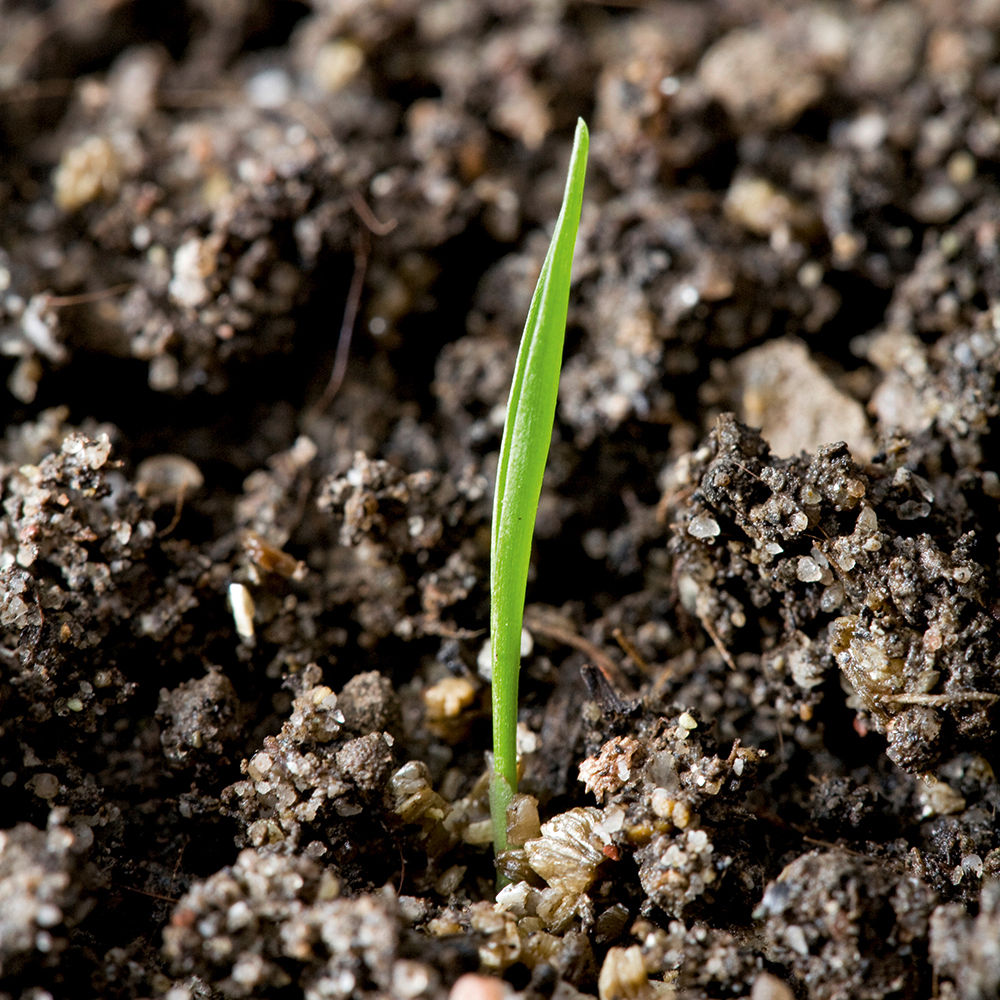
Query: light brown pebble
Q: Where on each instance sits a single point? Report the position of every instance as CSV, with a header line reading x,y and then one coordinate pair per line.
x,y
473,987
768,987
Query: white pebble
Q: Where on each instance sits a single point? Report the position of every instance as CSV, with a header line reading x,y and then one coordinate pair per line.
x,y
270,88
241,603
703,526
808,571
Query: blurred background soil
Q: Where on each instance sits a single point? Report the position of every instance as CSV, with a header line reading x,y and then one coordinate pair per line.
x,y
263,272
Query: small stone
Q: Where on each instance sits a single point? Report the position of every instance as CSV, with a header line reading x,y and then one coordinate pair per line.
x,y
259,765
703,526
449,697
86,172
270,88
474,987
623,974
768,987
194,261
337,64
808,571
242,605
167,478
44,785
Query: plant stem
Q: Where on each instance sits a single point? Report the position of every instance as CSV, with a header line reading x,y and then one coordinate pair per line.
x,y
523,452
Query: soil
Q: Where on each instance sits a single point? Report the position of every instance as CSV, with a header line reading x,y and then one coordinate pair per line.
x,y
263,271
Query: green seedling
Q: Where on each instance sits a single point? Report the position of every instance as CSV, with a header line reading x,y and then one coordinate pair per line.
x,y
527,434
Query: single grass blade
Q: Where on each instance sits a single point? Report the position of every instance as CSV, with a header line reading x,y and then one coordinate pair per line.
x,y
523,453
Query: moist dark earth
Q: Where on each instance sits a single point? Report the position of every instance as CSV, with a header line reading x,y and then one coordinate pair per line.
x,y
263,272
